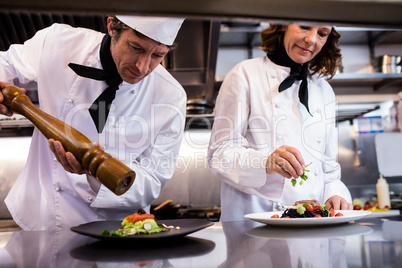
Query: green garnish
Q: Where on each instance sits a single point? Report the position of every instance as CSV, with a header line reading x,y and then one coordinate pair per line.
x,y
303,176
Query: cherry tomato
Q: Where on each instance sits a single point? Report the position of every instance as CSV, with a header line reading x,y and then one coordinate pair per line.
x,y
317,208
275,216
310,208
338,214
332,212
367,206
317,216
357,207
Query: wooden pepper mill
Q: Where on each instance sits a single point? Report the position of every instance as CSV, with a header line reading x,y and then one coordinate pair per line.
x,y
112,173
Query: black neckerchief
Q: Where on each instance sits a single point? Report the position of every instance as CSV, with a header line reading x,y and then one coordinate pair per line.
x,y
297,72
99,110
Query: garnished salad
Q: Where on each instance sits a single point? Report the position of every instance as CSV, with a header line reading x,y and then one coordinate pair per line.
x,y
307,210
138,223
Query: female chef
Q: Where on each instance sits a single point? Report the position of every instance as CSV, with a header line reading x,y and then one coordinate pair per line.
x,y
273,116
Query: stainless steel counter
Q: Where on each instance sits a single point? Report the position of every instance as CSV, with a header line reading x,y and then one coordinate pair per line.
x,y
370,242
13,155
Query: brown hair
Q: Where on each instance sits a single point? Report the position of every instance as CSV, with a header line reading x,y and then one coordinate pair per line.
x,y
325,63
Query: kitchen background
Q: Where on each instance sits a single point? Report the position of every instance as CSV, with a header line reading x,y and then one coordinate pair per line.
x,y
368,95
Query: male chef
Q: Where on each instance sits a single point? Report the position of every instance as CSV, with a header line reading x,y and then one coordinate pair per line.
x,y
113,89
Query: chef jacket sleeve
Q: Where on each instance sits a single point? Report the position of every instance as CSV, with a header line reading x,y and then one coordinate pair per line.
x,y
230,155
153,168
20,62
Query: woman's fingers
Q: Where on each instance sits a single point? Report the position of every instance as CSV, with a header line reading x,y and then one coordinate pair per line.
x,y
286,161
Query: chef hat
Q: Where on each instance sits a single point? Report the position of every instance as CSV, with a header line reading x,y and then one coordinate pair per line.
x,y
161,29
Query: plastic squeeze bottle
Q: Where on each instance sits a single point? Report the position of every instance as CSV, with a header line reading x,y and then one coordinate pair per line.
x,y
383,193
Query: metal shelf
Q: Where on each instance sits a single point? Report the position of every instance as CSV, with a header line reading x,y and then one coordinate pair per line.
x,y
348,112
378,81
14,121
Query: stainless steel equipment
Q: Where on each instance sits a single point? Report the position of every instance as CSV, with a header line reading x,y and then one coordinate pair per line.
x,y
388,64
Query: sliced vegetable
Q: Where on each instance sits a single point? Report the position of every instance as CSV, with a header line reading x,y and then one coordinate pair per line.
x,y
165,226
301,210
132,231
358,202
147,226
318,208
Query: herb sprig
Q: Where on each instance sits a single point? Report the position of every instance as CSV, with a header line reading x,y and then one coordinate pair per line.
x,y
303,176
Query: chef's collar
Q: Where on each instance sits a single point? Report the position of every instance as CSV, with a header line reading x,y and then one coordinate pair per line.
x,y
161,29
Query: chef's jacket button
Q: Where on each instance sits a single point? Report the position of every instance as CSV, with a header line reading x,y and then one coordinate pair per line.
x,y
316,173
57,189
55,159
279,137
319,141
69,100
133,91
273,76
277,105
90,199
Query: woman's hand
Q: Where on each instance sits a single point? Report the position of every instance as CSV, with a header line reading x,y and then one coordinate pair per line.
x,y
66,159
338,203
286,161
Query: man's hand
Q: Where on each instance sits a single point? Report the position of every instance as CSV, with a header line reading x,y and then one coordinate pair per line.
x,y
3,108
66,159
338,203
286,161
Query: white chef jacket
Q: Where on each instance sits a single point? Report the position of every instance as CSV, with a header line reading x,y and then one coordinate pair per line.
x,y
252,119
143,130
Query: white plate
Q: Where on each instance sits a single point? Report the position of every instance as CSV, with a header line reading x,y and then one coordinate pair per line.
x,y
348,215
392,212
327,231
